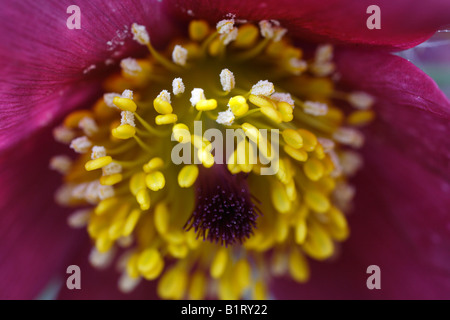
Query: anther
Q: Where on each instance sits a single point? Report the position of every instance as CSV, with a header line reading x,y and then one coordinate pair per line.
x,y
181,133
225,26
206,105
229,37
98,152
197,94
238,105
263,88
109,97
227,80
60,164
198,30
88,125
349,136
315,108
177,86
166,119
361,100
81,144
97,163
140,34
155,180
63,134
285,97
226,117
125,104
130,67
179,55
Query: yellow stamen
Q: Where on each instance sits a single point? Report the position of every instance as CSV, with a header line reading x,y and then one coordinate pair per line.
x,y
298,267
162,107
124,132
187,176
317,201
154,164
150,263
111,179
125,104
219,263
238,105
247,35
181,133
313,169
155,180
206,105
143,198
98,163
166,119
162,217
293,138
198,30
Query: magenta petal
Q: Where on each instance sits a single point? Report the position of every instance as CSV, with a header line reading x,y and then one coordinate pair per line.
x,y
45,67
102,284
412,113
401,223
404,24
35,241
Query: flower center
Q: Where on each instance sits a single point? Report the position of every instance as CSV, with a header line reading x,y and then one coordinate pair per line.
x,y
152,185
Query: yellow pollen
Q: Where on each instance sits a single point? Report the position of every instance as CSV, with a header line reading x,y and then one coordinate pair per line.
x,y
187,176
162,107
238,105
198,30
206,105
154,164
166,119
144,164
181,133
247,35
124,131
155,180
125,104
98,163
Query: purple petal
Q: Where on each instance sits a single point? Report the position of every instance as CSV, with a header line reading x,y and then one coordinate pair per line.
x,y
102,284
35,241
47,69
403,24
412,113
401,223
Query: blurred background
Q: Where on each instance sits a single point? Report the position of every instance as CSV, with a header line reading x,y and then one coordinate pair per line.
x,y
433,57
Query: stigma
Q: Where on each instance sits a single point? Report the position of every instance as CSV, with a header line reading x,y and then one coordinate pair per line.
x,y
209,223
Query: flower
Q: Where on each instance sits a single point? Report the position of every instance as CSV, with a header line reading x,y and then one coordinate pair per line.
x,y
400,221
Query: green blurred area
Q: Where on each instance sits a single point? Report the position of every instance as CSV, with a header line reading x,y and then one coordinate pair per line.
x,y
433,58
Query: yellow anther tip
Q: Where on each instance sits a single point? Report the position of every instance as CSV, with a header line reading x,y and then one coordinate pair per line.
x,y
143,198
293,138
97,163
111,179
238,105
148,260
124,131
187,176
166,119
162,107
154,164
125,104
219,263
247,35
206,105
181,133
317,201
155,181
198,30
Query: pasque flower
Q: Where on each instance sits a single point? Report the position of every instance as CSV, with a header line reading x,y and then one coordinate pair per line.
x,y
310,69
